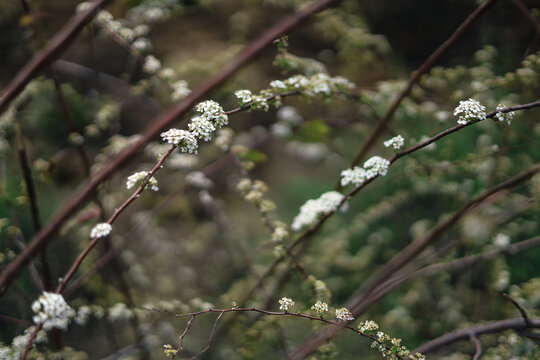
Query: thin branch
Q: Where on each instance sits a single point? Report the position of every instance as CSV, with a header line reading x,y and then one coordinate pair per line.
x,y
209,338
464,334
477,346
339,324
527,14
85,191
521,309
54,48
431,60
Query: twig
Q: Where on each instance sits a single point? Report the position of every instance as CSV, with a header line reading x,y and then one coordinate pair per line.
x,y
342,325
431,60
521,309
54,48
188,326
209,338
527,14
464,334
477,345
83,194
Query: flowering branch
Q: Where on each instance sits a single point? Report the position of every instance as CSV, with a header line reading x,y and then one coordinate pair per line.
x,y
83,194
340,324
431,60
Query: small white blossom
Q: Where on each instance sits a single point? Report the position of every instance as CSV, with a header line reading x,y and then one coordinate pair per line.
x,y
320,307
396,142
504,116
355,176
180,90
101,230
82,316
310,211
278,85
470,110
376,165
245,96
285,303
182,138
137,178
52,310
151,64
142,44
213,112
120,311
202,128
224,138
199,180
369,325
501,240
298,82
344,314
166,73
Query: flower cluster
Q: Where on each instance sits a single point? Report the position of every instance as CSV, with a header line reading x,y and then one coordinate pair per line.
x,y
202,128
285,303
182,138
508,116
469,111
320,307
199,180
396,142
245,96
312,209
374,166
180,90
52,310
100,230
213,112
120,311
389,347
137,178
344,314
280,231
151,65
320,84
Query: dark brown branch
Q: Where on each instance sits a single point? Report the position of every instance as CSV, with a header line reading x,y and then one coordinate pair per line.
x,y
85,191
464,334
527,14
520,308
431,60
54,48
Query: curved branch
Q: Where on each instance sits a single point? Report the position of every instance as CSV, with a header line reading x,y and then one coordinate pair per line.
x,y
465,334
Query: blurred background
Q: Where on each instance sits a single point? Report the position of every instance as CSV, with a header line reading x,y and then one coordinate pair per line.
x,y
199,243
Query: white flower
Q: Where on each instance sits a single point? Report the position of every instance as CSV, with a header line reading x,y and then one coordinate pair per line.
x,y
213,112
298,82
199,180
355,176
470,110
137,178
182,138
52,310
245,96
202,128
120,311
180,90
224,138
166,73
278,84
310,211
376,165
369,325
82,316
502,116
100,230
151,64
320,307
396,142
344,314
285,303
142,44
501,240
